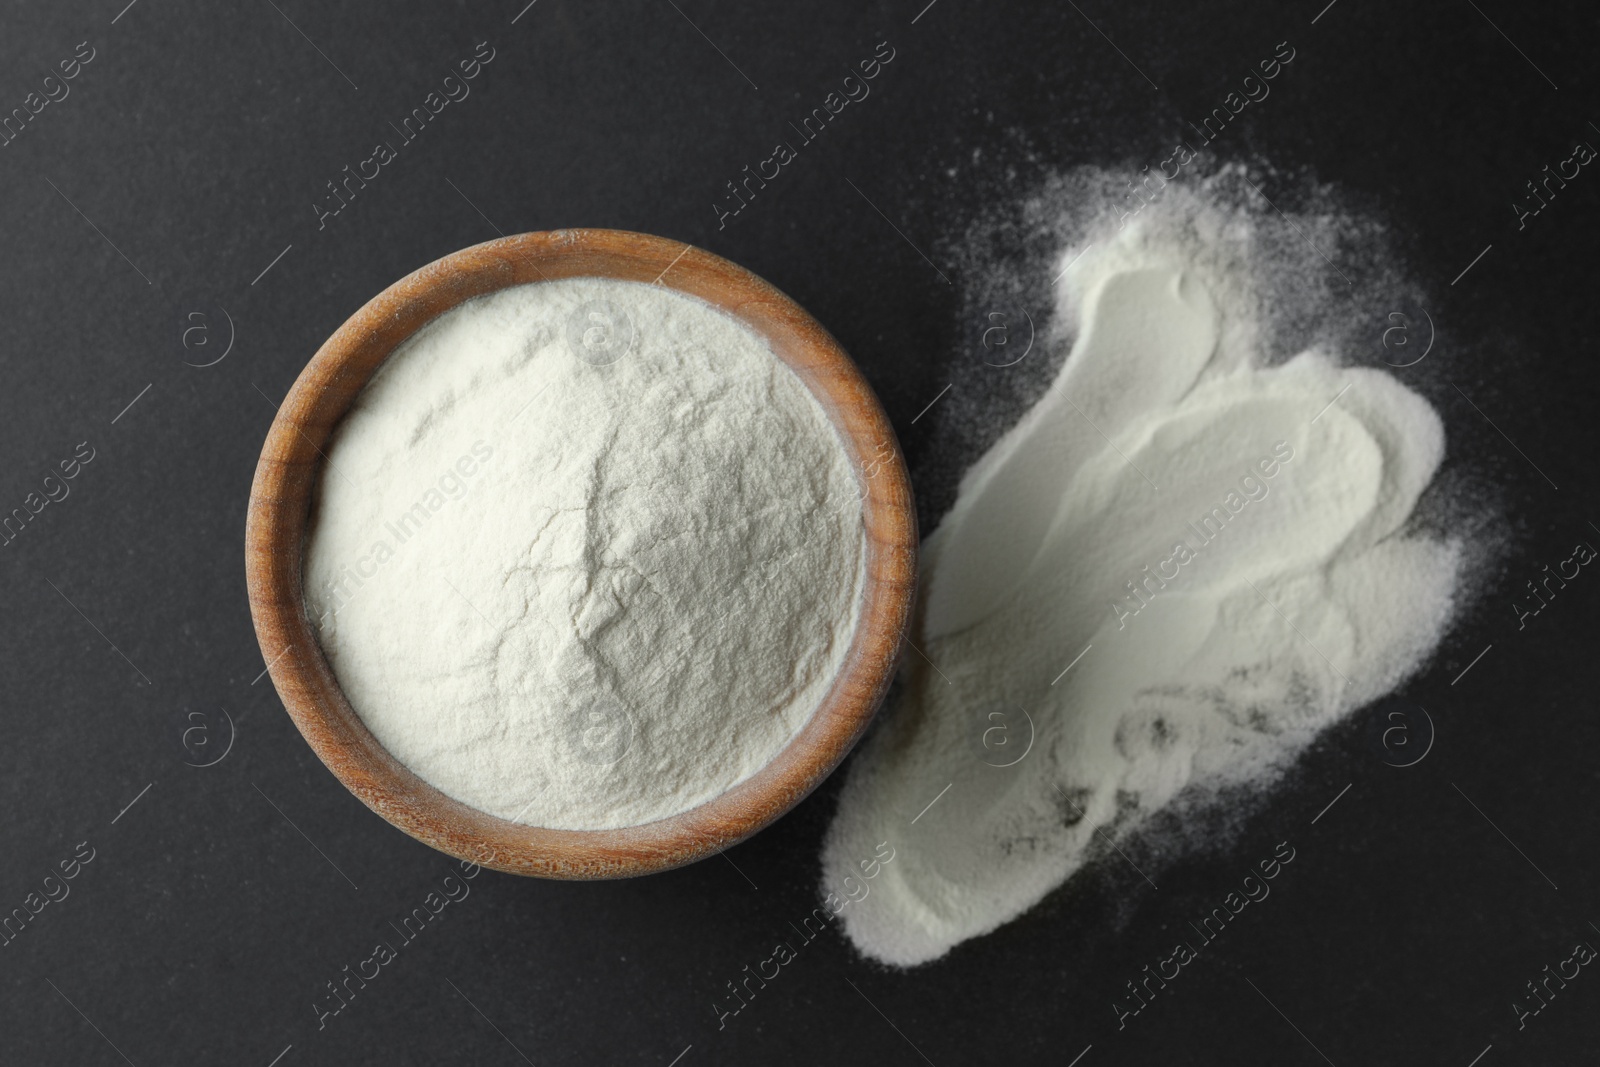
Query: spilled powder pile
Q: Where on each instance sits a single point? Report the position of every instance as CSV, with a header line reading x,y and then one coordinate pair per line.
x,y
579,557
1214,540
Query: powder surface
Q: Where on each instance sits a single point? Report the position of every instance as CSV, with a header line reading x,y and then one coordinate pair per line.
x,y
586,553
1186,559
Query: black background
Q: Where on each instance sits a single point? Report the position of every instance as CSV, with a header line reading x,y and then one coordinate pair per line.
x,y
197,140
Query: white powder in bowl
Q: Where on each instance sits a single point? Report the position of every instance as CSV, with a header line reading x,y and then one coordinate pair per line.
x,y
583,554
1190,556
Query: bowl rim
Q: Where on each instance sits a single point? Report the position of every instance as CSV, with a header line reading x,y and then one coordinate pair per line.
x,y
291,463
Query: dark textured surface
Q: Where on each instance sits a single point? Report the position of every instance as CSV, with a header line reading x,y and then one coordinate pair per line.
x,y
197,140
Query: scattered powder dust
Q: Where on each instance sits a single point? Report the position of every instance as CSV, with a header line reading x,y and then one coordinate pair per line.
x,y
1192,554
581,556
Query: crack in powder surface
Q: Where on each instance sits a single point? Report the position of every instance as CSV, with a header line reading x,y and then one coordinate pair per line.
x,y
581,595
1213,537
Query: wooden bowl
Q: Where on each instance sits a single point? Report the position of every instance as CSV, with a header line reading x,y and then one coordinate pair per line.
x,y
291,463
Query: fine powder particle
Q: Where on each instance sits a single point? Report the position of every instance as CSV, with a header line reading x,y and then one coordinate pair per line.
x,y
1188,558
584,554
